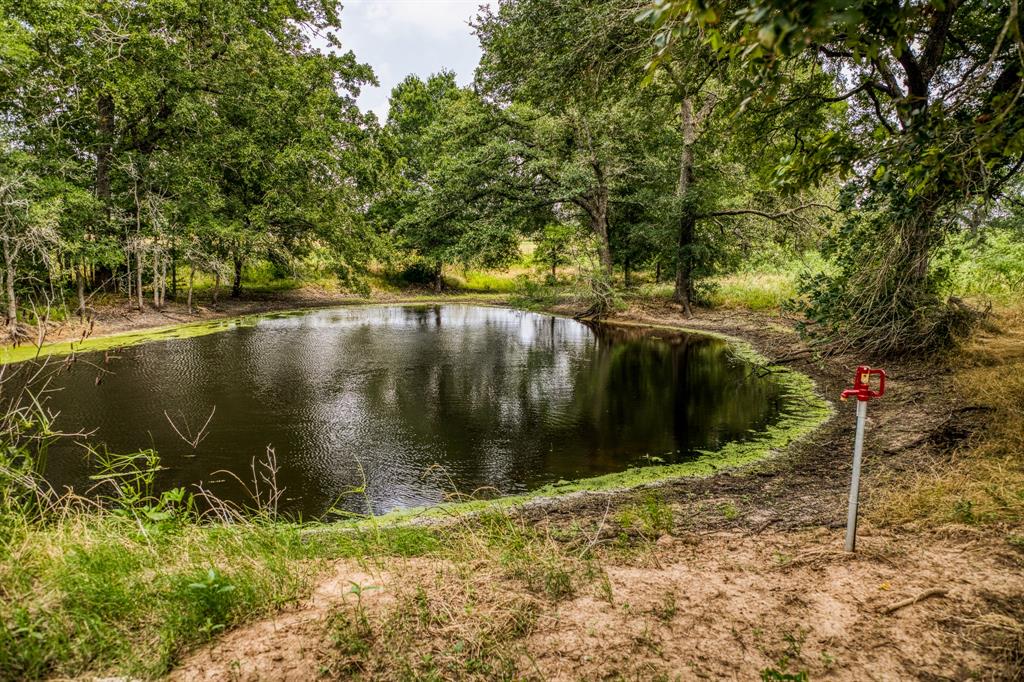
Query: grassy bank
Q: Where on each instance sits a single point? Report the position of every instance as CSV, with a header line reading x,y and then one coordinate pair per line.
x,y
977,477
109,594
131,589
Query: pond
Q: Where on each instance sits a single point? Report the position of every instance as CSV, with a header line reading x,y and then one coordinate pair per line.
x,y
377,408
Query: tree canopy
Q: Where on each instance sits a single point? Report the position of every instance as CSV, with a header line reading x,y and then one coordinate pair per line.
x,y
681,136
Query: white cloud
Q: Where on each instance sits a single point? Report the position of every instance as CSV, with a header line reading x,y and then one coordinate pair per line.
x,y
399,37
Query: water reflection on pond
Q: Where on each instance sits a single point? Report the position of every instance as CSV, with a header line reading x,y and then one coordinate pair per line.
x,y
421,401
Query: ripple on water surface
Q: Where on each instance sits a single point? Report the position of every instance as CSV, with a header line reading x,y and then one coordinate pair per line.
x,y
418,402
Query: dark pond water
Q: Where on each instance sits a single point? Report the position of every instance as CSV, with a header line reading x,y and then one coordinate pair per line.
x,y
421,401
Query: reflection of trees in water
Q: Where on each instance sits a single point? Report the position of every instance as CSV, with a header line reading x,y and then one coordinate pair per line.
x,y
507,411
497,397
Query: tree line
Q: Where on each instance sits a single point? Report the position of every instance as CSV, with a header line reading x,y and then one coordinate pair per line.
x,y
677,138
138,137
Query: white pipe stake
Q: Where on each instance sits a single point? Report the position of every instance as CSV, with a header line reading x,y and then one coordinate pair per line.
x,y
858,449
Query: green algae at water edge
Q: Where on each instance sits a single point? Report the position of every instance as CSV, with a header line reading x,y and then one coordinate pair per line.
x,y
101,343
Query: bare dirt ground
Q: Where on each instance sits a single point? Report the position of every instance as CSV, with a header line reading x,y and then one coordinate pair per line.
x,y
749,582
111,316
726,605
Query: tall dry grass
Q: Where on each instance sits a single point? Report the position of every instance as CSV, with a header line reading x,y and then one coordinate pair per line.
x,y
981,478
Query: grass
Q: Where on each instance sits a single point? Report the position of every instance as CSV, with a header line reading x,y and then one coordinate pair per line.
x,y
982,479
484,282
757,286
989,266
754,290
465,612
91,593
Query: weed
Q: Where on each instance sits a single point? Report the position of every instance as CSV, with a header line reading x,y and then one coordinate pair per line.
x,y
212,601
773,675
963,511
668,608
651,516
350,635
605,587
782,559
729,511
533,295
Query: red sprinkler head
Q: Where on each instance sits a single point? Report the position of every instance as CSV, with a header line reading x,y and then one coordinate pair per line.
x,y
862,384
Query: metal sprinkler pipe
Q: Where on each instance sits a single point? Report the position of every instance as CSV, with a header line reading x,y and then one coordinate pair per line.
x,y
863,392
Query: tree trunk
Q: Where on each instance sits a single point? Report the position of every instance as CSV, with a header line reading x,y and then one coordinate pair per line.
x,y
128,270
236,286
438,277
174,276
191,280
80,286
216,286
625,274
163,282
105,125
599,224
684,253
684,268
657,271
138,277
156,277
12,302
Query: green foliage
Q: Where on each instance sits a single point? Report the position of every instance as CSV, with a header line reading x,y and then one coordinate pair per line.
x,y
988,264
533,295
205,133
651,516
773,675
553,249
882,300
932,123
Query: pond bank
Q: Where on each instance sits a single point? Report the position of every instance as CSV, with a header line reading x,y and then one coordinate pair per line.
x,y
114,325
740,574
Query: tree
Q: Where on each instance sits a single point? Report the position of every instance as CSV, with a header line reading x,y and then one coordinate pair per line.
x,y
161,127
464,208
934,124
28,219
415,106
671,163
535,55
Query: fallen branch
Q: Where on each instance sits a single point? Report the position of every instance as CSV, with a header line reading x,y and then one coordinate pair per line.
x,y
913,600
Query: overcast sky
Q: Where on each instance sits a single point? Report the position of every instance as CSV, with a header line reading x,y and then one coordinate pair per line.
x,y
399,37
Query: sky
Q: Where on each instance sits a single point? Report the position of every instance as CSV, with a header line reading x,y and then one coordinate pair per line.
x,y
399,37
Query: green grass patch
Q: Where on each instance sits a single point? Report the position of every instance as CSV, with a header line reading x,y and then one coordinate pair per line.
x,y
989,266
91,593
483,281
